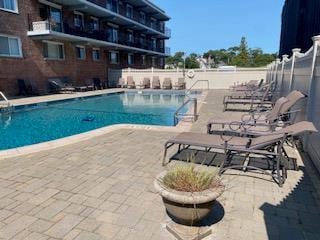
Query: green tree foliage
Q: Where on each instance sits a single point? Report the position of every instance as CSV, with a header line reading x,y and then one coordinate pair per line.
x,y
176,60
240,56
191,61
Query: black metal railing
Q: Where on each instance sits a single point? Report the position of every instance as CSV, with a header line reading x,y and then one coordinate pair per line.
x,y
122,38
135,15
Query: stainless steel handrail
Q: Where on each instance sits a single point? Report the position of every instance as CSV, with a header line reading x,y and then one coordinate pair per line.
x,y
5,99
195,110
188,91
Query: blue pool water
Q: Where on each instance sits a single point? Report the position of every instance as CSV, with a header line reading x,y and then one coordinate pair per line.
x,y
55,120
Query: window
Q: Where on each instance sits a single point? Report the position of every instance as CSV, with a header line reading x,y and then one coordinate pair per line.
x,y
161,62
130,37
130,58
142,40
154,61
112,35
129,11
10,46
53,50
153,44
142,17
81,52
143,60
9,5
96,54
53,14
114,57
94,24
78,20
161,26
113,5
153,23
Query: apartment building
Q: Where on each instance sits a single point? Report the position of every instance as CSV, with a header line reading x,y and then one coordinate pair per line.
x,y
79,39
300,22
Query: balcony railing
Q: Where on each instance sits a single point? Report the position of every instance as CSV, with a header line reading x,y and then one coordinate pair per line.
x,y
167,32
88,32
135,16
167,51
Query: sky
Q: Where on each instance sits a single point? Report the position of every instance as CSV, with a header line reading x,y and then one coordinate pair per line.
x,y
198,26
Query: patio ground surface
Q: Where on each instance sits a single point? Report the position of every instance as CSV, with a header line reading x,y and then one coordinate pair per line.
x,y
103,189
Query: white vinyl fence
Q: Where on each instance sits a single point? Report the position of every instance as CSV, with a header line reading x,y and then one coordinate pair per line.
x,y
302,72
218,79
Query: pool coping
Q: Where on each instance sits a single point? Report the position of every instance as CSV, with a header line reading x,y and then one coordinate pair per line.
x,y
183,125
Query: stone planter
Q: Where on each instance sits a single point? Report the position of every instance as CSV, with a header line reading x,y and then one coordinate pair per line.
x,y
187,208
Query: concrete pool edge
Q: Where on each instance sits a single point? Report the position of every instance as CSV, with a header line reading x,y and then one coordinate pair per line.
x,y
61,142
34,148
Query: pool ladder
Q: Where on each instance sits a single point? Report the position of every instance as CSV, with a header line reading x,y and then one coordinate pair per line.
x,y
193,115
6,107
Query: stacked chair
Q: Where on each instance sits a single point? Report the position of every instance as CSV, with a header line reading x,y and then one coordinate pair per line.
x,y
154,83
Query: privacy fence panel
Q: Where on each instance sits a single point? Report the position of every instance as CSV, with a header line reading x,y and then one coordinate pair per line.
x,y
278,81
300,82
286,78
313,145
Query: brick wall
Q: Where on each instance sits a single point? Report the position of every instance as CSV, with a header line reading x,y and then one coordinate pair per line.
x,y
33,67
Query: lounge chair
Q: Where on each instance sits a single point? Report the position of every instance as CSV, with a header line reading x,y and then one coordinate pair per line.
x,y
156,82
145,83
97,84
167,84
89,84
60,85
252,94
263,100
23,89
269,147
280,111
181,84
130,82
249,86
82,88
121,83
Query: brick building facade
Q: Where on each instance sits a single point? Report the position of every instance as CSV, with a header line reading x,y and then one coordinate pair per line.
x,y
82,40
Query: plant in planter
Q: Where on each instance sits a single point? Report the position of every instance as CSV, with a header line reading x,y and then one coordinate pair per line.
x,y
188,192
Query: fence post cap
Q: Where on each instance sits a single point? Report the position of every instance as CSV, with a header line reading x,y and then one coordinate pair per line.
x,y
278,60
316,38
296,50
285,56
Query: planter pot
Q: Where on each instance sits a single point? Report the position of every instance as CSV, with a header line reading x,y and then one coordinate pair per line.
x,y
187,208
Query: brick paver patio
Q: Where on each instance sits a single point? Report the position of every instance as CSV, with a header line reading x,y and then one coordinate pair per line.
x,y
103,189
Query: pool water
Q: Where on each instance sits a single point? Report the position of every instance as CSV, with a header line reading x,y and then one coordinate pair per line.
x,y
49,121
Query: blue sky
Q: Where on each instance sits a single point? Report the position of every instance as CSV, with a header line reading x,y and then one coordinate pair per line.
x,y
198,26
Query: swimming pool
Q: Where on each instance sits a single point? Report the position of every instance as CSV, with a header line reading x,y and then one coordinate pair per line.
x,y
31,124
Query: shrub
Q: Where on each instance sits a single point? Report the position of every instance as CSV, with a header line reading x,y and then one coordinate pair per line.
x,y
185,178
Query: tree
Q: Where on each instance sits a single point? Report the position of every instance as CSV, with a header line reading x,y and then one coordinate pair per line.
x,y
219,56
175,60
241,56
242,59
191,61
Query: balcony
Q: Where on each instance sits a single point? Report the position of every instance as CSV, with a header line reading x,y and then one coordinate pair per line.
x,y
167,51
167,32
99,9
44,30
